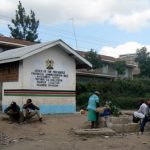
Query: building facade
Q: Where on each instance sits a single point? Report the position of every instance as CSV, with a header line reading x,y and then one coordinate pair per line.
x,y
106,72
130,59
45,72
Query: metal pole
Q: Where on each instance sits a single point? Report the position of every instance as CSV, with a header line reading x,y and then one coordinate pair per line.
x,y
74,33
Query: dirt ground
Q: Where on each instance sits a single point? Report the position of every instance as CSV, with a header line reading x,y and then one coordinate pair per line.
x,y
55,133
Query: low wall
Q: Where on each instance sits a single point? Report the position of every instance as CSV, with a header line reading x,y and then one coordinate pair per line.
x,y
124,124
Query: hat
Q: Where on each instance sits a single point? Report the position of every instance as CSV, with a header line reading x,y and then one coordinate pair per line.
x,y
148,102
13,103
97,92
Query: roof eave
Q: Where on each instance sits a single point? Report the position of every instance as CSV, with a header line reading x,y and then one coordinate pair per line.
x,y
12,44
79,59
95,74
9,60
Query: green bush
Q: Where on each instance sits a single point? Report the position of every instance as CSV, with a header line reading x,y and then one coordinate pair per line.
x,y
123,93
82,100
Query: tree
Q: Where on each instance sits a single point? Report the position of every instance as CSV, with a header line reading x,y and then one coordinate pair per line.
x,y
120,67
143,60
94,59
24,26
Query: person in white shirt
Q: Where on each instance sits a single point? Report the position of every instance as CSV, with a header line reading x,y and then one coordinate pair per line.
x,y
142,110
142,114
146,118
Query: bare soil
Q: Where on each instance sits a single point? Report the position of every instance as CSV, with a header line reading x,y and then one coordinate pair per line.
x,y
55,133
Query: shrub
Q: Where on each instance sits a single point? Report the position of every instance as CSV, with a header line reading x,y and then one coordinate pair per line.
x,y
82,100
123,93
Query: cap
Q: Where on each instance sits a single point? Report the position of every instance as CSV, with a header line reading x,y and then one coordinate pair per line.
x,y
97,92
13,103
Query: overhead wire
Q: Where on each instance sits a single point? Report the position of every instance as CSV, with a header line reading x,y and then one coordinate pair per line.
x,y
48,30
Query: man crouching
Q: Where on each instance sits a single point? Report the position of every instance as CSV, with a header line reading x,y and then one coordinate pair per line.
x,y
13,111
30,110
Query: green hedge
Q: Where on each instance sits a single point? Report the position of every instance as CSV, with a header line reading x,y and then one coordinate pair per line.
x,y
123,93
127,102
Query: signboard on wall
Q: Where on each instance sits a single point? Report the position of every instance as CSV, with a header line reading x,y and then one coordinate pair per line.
x,y
49,77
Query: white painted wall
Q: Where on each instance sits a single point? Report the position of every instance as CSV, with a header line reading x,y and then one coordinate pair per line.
x,y
62,62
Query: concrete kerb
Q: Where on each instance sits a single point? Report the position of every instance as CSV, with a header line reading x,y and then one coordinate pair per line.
x,y
98,132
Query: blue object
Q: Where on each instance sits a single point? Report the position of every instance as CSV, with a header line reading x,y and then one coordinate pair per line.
x,y
92,103
106,112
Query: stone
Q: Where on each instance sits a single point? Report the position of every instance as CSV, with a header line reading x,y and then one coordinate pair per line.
x,y
5,139
41,133
144,142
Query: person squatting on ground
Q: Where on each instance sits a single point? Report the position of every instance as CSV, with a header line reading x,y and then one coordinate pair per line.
x,y
13,111
143,114
93,103
30,110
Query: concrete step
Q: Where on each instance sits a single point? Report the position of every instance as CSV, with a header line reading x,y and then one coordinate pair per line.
x,y
98,131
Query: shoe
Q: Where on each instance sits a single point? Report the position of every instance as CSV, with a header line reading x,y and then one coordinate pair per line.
x,y
40,119
24,120
11,122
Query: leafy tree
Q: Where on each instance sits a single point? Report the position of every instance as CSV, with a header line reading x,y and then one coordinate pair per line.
x,y
120,67
94,59
24,26
143,59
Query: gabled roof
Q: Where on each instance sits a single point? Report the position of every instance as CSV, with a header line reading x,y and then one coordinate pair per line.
x,y
14,42
105,58
102,57
24,52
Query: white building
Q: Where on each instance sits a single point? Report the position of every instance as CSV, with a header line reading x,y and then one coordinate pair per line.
x,y
45,72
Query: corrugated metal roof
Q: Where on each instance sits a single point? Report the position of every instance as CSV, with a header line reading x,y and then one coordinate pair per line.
x,y
24,52
12,41
102,57
19,52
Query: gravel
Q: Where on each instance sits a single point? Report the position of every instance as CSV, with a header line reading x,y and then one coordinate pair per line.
x,y
5,139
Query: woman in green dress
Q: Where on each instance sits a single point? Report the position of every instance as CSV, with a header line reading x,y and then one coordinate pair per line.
x,y
93,103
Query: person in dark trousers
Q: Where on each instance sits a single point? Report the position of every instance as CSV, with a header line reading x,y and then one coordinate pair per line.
x,y
13,111
146,118
30,110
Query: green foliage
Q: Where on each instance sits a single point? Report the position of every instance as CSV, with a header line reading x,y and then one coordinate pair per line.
x,y
143,59
114,110
82,104
93,58
24,26
123,93
120,67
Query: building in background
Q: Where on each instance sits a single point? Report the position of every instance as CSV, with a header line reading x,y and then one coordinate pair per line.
x,y
44,72
7,43
130,59
83,74
106,72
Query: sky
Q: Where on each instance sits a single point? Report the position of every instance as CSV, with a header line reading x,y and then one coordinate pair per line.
x,y
111,27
